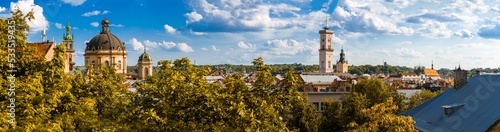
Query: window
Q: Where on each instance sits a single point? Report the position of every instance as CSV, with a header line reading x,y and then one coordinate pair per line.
x,y
106,63
93,63
316,104
70,60
147,71
119,64
329,64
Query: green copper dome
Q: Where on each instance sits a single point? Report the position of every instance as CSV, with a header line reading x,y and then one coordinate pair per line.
x,y
145,57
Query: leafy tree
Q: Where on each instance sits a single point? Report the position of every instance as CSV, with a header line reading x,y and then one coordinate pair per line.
x,y
368,100
380,117
420,97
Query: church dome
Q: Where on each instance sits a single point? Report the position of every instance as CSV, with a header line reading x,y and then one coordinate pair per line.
x,y
105,40
145,57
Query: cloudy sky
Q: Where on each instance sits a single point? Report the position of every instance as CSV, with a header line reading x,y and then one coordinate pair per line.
x,y
400,32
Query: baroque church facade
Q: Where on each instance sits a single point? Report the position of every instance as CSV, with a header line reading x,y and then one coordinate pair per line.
x,y
108,50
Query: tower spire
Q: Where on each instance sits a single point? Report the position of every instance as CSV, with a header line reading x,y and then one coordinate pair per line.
x,y
68,36
432,65
326,23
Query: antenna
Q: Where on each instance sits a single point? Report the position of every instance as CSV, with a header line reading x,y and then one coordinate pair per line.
x,y
44,36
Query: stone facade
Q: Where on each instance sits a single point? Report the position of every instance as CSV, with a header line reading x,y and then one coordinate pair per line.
x,y
326,51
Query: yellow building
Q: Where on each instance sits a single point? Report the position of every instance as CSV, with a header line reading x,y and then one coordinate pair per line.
x,y
144,66
106,49
342,65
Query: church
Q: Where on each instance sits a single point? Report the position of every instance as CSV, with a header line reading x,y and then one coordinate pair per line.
x,y
103,49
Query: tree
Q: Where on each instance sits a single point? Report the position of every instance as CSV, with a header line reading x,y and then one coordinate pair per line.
x,y
368,101
420,97
380,117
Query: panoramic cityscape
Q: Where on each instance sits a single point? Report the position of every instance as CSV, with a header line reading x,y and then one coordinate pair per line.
x,y
250,65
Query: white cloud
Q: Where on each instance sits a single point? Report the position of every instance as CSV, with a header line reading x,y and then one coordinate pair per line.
x,y
115,25
169,29
290,47
434,29
2,9
168,46
58,25
39,23
244,45
151,44
408,53
197,33
496,8
92,13
94,24
74,2
215,48
244,15
464,33
136,45
404,43
193,17
367,17
204,49
184,47
105,12
471,45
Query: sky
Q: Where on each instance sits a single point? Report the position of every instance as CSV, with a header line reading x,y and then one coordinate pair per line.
x,y
399,32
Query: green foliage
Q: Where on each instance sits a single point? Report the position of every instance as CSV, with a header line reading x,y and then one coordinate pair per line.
x,y
420,97
380,117
379,69
368,101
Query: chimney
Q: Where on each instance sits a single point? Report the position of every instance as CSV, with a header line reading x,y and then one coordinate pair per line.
x,y
450,109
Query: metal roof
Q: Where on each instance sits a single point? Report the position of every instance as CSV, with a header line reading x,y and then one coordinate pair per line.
x,y
480,96
319,79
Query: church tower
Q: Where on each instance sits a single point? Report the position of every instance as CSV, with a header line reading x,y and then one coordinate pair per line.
x,y
69,61
144,65
342,65
325,50
459,77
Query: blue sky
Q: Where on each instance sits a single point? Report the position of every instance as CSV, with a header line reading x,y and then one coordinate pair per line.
x,y
400,32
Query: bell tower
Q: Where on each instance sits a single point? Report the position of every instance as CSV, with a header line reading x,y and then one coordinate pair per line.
x,y
69,61
342,65
144,65
325,49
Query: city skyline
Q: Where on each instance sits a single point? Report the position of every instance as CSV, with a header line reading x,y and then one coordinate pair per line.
x,y
400,32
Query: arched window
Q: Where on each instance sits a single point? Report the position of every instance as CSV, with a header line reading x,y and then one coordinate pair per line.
x,y
106,63
147,71
119,64
329,64
93,63
70,60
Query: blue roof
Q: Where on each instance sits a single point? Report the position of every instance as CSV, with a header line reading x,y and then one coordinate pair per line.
x,y
480,96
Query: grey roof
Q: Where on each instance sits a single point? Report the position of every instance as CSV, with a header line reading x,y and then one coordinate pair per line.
x,y
480,111
319,79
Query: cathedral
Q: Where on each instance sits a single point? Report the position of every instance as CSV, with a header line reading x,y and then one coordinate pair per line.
x,y
106,49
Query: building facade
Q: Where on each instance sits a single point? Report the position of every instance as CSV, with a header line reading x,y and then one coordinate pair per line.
x,y
106,49
325,50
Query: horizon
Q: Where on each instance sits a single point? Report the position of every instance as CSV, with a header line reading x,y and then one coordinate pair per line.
x,y
399,32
